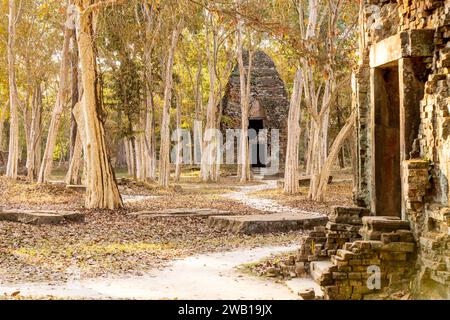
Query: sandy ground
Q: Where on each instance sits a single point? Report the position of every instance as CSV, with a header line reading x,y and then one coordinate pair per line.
x,y
207,276
114,256
245,195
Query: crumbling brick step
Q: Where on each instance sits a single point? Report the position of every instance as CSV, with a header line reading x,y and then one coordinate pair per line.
x,y
317,269
276,222
40,216
180,212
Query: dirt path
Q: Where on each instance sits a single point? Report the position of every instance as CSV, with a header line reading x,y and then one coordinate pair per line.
x,y
244,196
206,276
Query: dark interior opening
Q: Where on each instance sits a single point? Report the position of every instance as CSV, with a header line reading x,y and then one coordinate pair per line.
x,y
387,175
257,150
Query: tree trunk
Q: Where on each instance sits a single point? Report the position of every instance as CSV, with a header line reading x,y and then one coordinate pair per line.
x,y
139,148
73,174
101,187
75,94
133,157
245,174
150,139
13,155
151,30
179,150
208,170
2,126
309,149
245,86
164,153
130,157
197,152
291,171
47,160
318,194
35,134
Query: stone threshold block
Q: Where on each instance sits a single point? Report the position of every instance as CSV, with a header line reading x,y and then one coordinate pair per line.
x,y
277,222
374,227
41,216
348,215
180,212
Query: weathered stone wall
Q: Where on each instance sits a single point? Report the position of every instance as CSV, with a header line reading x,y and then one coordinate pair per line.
x,y
426,168
269,99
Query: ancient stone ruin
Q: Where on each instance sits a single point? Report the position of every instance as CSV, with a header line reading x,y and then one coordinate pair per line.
x,y
269,102
402,94
400,232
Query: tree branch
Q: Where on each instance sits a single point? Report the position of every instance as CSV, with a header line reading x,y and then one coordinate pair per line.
x,y
100,5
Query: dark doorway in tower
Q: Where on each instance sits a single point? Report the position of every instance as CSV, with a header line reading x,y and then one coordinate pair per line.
x,y
257,147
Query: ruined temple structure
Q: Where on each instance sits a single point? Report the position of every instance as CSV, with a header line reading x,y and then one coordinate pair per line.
x,y
400,230
402,93
269,103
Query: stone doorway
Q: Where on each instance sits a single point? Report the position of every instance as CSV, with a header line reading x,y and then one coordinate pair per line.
x,y
397,76
386,141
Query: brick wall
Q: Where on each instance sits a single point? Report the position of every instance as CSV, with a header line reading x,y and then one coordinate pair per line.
x,y
425,179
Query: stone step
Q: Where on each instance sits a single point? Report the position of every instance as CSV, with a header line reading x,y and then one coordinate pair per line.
x,y
76,187
180,212
40,216
348,215
318,268
302,287
266,223
375,226
302,181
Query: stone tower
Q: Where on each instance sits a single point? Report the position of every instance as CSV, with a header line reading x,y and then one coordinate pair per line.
x,y
269,103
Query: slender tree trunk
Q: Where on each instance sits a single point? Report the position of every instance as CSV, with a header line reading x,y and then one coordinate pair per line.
x,y
345,132
133,155
27,118
150,138
245,85
309,150
179,138
73,176
35,134
101,186
245,174
2,126
197,152
152,28
291,171
13,155
164,153
130,156
139,148
75,94
210,147
47,161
